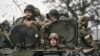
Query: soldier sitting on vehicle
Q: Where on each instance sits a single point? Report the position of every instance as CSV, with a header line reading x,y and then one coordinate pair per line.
x,y
53,16
63,15
29,18
54,42
53,39
26,29
85,37
4,29
84,32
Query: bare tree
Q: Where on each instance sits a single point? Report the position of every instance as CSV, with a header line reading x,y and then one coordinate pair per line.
x,y
77,7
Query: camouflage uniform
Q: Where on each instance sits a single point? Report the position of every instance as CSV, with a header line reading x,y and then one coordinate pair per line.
x,y
19,32
86,40
57,46
52,13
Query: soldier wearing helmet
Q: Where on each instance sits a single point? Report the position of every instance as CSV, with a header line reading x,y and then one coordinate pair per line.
x,y
30,14
85,37
54,42
52,16
83,22
63,15
53,39
29,26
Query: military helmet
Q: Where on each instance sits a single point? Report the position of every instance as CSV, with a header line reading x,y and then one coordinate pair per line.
x,y
64,13
30,8
33,9
84,18
53,35
54,12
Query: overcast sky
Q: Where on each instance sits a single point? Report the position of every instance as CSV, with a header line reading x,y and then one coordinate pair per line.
x,y
9,9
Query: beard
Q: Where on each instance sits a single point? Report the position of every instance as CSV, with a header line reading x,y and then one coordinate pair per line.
x,y
29,17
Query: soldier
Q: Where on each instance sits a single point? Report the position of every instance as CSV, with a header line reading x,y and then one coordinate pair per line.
x,y
85,37
5,26
83,22
30,13
83,29
52,16
64,15
53,40
26,28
